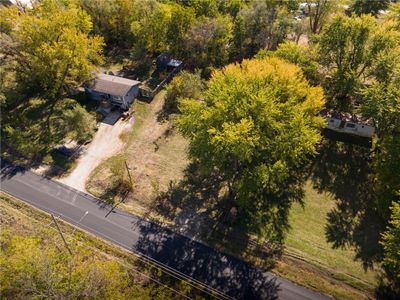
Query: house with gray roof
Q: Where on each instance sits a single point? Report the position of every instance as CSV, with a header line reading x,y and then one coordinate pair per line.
x,y
118,91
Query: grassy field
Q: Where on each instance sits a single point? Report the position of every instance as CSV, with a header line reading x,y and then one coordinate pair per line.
x,y
157,158
306,242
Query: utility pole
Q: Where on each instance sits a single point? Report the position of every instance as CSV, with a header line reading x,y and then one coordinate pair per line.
x,y
129,174
62,235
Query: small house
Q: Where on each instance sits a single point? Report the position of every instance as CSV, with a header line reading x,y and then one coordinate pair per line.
x,y
164,62
116,90
348,123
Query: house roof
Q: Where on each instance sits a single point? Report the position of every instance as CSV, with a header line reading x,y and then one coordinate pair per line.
x,y
113,85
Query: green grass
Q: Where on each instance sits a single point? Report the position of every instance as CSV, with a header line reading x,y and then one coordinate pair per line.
x,y
306,241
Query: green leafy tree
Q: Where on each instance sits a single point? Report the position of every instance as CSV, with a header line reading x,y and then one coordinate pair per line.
x,y
151,30
303,56
50,47
382,104
355,51
262,24
67,119
390,242
256,128
360,7
48,53
181,21
231,7
206,8
112,19
207,42
185,85
318,12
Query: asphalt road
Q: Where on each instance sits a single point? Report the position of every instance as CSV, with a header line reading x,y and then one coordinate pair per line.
x,y
224,273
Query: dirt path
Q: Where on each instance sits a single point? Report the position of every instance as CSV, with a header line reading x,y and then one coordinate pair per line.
x,y
105,144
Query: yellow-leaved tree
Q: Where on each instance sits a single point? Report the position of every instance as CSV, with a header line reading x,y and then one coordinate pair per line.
x,y
256,128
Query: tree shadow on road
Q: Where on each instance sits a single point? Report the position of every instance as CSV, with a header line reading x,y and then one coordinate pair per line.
x,y
224,273
8,170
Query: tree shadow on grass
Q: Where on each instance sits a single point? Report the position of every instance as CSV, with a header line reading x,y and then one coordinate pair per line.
x,y
343,170
200,208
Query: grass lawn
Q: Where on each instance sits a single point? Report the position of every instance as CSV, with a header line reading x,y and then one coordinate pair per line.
x,y
306,242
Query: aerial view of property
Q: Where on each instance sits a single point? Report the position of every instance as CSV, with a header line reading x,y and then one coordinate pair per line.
x,y
200,149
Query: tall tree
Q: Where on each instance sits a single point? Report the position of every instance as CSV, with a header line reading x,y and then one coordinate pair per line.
x,y
49,52
262,24
185,85
381,102
181,21
303,56
256,128
112,19
207,42
318,12
355,51
151,29
50,47
360,7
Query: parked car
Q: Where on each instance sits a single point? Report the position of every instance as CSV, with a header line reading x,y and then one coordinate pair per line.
x,y
126,115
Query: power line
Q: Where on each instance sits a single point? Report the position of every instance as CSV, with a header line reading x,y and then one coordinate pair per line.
x,y
181,276
173,273
148,260
168,270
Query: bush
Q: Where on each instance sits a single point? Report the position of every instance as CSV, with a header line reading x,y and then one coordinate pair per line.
x,y
185,85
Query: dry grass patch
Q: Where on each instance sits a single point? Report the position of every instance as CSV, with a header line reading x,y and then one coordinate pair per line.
x,y
156,156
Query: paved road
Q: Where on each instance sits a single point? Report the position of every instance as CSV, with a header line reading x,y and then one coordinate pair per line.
x,y
226,274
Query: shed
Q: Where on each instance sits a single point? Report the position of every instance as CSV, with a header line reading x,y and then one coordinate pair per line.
x,y
118,90
164,61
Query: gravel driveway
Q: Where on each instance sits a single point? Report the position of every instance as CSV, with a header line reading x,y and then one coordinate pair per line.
x,y
105,144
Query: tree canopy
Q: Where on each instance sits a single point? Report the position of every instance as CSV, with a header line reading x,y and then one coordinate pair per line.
x,y
48,52
185,85
256,128
355,51
306,57
51,47
391,242
360,7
